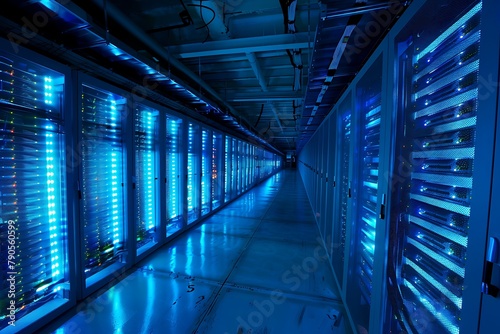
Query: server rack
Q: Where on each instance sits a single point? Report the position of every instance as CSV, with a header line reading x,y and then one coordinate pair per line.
x,y
103,170
325,207
206,164
330,186
146,177
343,191
244,168
217,170
363,217
227,168
34,200
439,102
321,181
174,163
234,167
237,173
192,176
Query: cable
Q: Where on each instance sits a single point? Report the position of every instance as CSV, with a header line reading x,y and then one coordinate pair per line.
x,y
201,15
258,119
269,127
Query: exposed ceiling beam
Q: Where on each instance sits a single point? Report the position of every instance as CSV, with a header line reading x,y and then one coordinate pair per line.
x,y
254,63
241,45
264,96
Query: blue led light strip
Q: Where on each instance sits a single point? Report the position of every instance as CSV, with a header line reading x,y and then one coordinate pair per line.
x,y
204,162
173,169
53,209
114,181
51,188
148,161
190,169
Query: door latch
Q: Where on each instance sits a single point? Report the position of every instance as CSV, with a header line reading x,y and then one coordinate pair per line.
x,y
492,260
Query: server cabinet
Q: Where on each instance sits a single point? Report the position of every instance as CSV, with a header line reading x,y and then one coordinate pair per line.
x,y
322,186
174,157
217,177
34,227
103,178
490,302
193,173
331,184
251,165
317,166
239,161
234,167
432,274
364,213
258,164
269,163
246,162
343,188
146,177
227,168
326,229
488,94
206,165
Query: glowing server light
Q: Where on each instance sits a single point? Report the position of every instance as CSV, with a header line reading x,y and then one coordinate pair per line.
x,y
227,171
174,172
146,171
206,158
52,200
217,162
192,172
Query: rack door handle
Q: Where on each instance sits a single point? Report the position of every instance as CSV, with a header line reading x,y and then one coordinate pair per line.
x,y
492,259
382,208
79,189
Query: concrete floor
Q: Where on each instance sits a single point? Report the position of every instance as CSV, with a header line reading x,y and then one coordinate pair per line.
x,y
254,267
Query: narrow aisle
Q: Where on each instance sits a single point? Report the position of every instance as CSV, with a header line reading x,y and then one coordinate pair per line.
x,y
254,267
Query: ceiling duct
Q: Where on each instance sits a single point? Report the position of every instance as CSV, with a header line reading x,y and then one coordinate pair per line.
x,y
289,8
212,16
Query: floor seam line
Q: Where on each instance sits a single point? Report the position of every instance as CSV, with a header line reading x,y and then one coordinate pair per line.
x,y
210,308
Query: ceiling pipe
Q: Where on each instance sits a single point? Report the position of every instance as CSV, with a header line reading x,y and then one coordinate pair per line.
x,y
254,63
141,35
356,11
289,12
212,16
252,58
